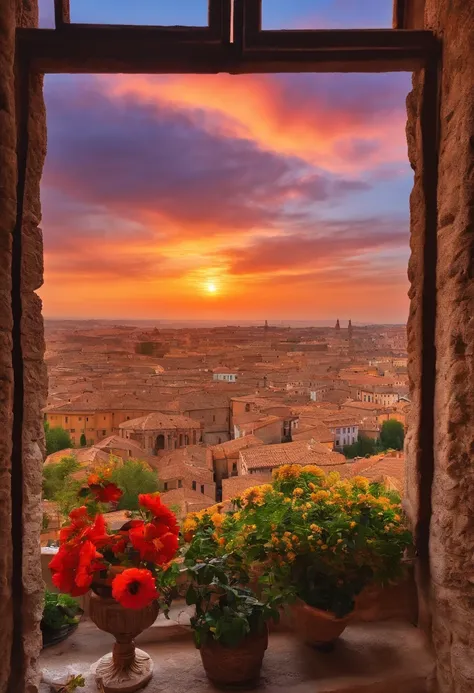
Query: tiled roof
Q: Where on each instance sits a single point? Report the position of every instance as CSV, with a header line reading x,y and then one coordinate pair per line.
x,y
119,443
84,456
193,455
231,447
270,456
159,421
313,431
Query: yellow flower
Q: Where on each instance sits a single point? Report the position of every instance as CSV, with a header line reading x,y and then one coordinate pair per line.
x,y
315,528
361,482
313,469
291,556
352,525
319,496
287,471
217,519
312,486
298,492
324,547
397,518
287,534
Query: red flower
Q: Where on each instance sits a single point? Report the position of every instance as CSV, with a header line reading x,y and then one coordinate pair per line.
x,y
153,544
135,588
161,513
108,493
77,560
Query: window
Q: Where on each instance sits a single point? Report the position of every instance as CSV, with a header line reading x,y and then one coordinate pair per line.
x,y
214,418
73,430
87,418
165,486
337,442
80,418
105,418
66,419
104,432
247,407
194,485
202,488
180,483
234,466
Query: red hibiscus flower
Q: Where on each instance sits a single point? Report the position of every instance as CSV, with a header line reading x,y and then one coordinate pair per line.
x,y
153,545
135,588
106,493
161,513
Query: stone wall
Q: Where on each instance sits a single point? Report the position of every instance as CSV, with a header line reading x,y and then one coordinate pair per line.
x,y
7,222
452,524
450,591
21,586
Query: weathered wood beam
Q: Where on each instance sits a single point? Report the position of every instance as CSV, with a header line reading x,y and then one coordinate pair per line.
x,y
219,16
408,14
342,39
134,50
62,13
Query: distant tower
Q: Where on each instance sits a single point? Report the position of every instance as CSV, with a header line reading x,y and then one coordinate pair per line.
x,y
349,329
338,327
266,325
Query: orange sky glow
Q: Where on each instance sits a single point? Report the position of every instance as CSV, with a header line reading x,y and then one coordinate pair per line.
x,y
219,197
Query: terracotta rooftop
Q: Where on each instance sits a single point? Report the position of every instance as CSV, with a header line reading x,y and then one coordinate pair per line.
x,y
193,455
158,421
308,430
231,447
119,443
84,456
270,456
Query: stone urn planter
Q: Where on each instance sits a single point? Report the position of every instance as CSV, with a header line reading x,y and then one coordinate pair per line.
x,y
316,627
127,668
235,665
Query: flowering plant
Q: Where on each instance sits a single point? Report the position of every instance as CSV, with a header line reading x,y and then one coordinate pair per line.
x,y
133,564
226,609
320,537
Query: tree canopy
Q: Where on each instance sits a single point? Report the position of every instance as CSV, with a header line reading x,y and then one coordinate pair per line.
x,y
134,477
56,439
392,435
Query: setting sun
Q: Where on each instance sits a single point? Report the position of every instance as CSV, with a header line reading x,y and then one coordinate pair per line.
x,y
211,288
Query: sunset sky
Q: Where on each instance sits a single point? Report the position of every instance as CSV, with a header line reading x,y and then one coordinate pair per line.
x,y
222,197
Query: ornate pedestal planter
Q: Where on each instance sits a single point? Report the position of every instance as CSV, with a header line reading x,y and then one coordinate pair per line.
x,y
316,627
127,668
234,665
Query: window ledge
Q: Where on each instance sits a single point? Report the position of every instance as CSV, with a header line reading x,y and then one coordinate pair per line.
x,y
390,657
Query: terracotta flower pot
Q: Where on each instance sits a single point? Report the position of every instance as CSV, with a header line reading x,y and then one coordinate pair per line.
x,y
235,665
127,668
316,627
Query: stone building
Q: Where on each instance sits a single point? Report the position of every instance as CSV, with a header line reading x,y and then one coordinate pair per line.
x,y
157,432
439,500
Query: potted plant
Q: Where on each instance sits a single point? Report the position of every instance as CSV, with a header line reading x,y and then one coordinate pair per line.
x,y
322,539
61,616
230,622
128,572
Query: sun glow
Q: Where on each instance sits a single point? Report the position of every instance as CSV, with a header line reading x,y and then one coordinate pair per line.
x,y
211,287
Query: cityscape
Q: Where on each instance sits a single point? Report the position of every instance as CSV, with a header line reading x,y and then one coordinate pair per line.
x,y
213,410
